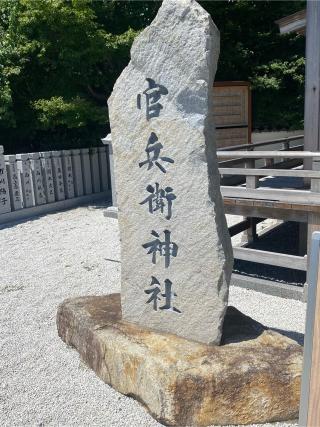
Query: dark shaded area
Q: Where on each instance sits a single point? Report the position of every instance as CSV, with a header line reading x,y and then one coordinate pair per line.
x,y
283,239
238,327
253,50
296,336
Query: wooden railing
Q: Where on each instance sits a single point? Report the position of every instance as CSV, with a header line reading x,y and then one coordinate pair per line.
x,y
252,175
259,196
291,144
287,144
271,258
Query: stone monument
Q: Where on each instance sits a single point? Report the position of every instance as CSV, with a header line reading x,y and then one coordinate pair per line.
x,y
155,342
175,247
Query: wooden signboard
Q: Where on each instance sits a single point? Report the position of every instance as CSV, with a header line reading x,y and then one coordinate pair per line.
x,y
232,113
310,388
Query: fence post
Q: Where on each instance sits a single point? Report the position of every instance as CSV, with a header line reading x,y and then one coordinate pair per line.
x,y
67,174
86,170
5,205
104,169
23,164
251,182
37,179
269,163
108,142
310,391
94,164
77,172
14,183
286,146
113,183
58,175
47,174
313,217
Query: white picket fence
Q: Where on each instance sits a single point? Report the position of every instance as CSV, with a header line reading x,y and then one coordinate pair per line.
x,y
34,183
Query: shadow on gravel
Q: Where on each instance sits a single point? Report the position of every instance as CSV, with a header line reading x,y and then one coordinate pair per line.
x,y
238,327
100,205
283,239
35,217
296,336
22,221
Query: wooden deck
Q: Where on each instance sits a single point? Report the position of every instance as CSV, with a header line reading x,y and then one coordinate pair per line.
x,y
271,184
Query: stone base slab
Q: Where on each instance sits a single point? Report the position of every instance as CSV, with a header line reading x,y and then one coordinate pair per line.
x,y
253,377
111,212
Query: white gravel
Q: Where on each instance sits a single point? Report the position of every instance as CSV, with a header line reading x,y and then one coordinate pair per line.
x,y
61,255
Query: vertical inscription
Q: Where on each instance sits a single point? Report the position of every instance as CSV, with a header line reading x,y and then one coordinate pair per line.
x,y
58,175
37,178
14,182
4,189
24,167
160,200
68,174
47,173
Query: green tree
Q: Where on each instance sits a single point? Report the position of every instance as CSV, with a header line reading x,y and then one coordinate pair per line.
x,y
54,55
253,50
59,60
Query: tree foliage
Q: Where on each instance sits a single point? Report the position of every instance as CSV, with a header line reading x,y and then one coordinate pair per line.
x,y
59,60
58,65
253,50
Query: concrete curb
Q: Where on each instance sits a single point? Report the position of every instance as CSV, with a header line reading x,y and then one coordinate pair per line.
x,y
52,207
269,287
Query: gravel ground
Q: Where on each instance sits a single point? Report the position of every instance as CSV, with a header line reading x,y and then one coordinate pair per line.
x,y
62,255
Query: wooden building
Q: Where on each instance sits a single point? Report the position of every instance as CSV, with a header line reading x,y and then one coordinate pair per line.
x,y
293,23
232,113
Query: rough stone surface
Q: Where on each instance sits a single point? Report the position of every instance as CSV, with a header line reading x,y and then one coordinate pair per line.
x,y
253,377
179,51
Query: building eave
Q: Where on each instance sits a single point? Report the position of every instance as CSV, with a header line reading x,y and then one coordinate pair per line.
x,y
293,23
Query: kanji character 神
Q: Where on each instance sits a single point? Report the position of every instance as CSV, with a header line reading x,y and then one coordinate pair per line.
x,y
166,248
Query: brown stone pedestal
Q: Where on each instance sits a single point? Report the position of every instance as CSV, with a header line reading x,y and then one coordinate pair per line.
x,y
253,377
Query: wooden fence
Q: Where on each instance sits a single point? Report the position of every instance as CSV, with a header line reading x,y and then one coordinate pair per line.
x,y
32,183
257,199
